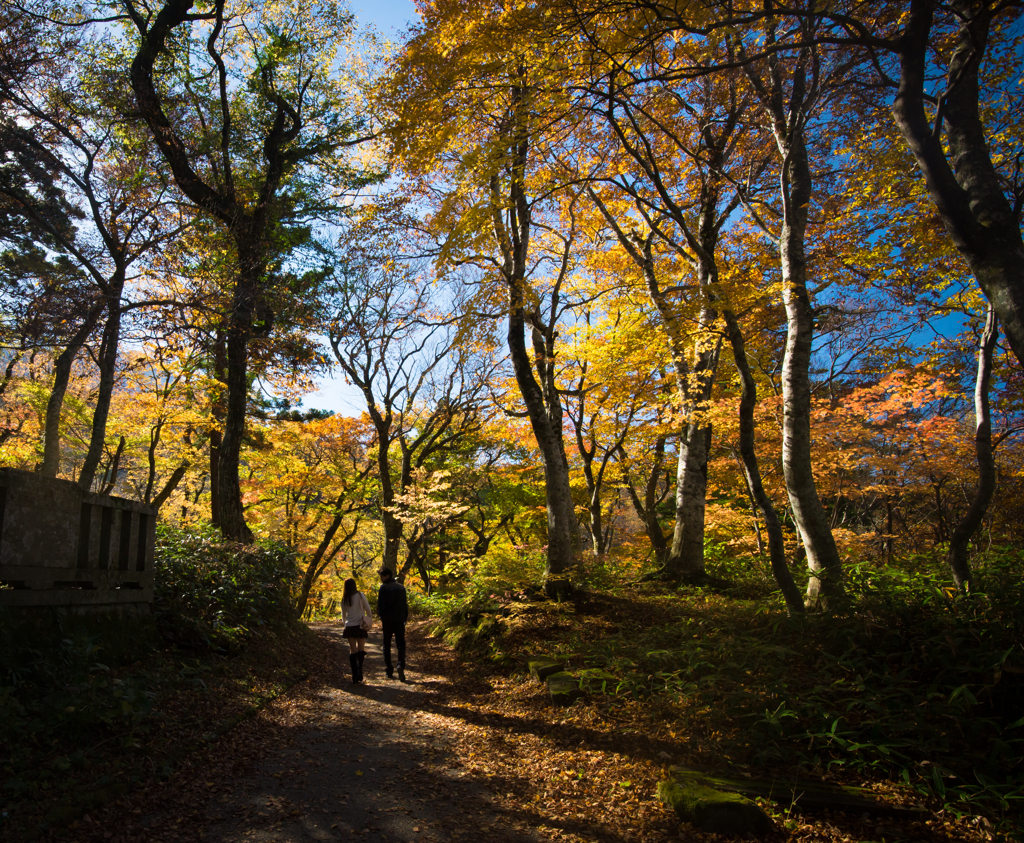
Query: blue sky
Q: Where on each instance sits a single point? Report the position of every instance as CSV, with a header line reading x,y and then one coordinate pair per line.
x,y
389,16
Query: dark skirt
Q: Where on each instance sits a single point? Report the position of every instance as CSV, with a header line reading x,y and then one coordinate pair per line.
x,y
354,632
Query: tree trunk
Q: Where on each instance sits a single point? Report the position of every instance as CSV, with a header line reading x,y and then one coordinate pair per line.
x,y
406,567
656,536
154,443
940,509
108,370
393,527
51,430
647,508
563,532
693,384
594,509
169,486
421,566
597,535
110,480
55,404
303,599
826,581
686,558
314,567
541,399
215,440
957,557
229,487
600,538
752,470
217,410
963,183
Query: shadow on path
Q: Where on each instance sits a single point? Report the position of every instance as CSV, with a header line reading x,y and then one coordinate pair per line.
x,y
369,762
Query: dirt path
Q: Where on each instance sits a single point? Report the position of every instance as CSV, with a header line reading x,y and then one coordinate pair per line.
x,y
446,756
368,762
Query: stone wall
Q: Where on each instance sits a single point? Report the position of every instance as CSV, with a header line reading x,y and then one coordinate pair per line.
x,y
60,546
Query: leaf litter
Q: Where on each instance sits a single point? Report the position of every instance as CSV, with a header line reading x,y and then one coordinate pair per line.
x,y
462,752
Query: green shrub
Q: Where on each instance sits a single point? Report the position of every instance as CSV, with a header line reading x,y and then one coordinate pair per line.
x,y
615,571
468,613
214,593
468,621
748,577
436,604
507,572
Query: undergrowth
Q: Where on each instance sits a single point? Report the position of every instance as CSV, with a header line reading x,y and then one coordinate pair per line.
x,y
210,593
77,691
908,683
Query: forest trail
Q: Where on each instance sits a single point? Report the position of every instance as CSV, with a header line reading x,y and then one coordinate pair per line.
x,y
371,762
453,754
446,756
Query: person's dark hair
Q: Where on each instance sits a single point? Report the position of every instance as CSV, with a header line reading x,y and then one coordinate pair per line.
x,y
351,589
386,573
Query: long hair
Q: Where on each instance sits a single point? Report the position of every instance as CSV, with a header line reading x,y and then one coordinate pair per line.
x,y
351,590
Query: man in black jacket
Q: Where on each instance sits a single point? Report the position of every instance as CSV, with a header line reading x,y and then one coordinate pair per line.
x,y
393,611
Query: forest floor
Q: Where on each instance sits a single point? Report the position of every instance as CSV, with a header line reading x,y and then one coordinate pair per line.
x,y
458,752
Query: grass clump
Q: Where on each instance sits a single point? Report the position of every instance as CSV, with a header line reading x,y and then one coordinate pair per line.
x,y
468,622
473,613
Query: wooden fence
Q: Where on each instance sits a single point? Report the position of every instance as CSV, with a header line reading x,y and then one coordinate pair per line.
x,y
60,546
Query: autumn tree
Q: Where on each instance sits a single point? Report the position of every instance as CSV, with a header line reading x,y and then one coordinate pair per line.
x,y
311,485
250,118
671,151
472,94
793,89
608,395
422,378
77,153
501,489
191,289
684,210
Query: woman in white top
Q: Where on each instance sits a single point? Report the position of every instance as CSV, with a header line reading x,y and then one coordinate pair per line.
x,y
355,611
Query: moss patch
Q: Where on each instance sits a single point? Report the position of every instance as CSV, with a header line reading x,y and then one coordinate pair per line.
x,y
542,667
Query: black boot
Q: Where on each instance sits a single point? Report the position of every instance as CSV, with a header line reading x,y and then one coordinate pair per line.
x,y
354,661
362,657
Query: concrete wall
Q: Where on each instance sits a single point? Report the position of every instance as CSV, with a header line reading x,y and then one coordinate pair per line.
x,y
60,546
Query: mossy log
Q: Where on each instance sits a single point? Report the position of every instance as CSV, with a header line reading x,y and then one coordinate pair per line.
x,y
712,810
804,795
